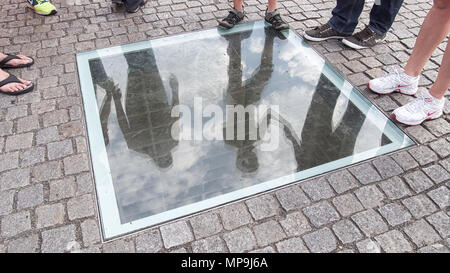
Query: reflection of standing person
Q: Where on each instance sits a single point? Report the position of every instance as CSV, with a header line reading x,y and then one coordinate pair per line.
x,y
246,94
146,122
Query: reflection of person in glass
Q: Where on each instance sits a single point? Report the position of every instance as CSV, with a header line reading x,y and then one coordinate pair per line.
x,y
245,94
146,122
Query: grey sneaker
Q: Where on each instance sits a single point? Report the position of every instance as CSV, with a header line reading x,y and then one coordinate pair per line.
x,y
234,17
364,39
322,33
274,18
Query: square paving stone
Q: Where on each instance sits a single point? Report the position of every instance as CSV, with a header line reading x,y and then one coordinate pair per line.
x,y
368,246
347,232
267,249
423,155
395,188
240,240
321,214
268,233
80,207
234,216
395,214
342,181
441,222
317,189
205,225
262,206
365,173
6,202
441,147
119,246
27,244
293,245
15,224
90,232
435,248
394,242
405,160
387,167
292,198
30,196
370,222
295,224
149,242
419,206
441,196
50,215
437,173
209,245
176,234
421,233
418,181
347,204
321,241
370,196
58,240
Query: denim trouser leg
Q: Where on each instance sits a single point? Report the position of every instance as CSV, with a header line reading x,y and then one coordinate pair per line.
x,y
346,15
382,16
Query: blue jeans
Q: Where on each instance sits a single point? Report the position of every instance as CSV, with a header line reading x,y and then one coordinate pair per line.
x,y
346,14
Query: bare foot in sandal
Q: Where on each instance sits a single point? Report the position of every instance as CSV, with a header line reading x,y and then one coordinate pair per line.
x,y
15,61
12,85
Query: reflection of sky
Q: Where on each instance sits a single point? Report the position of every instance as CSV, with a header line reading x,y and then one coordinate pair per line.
x,y
206,169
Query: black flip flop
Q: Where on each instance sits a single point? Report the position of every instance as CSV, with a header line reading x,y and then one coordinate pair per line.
x,y
12,79
10,57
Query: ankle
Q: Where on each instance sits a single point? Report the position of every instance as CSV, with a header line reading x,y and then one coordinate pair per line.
x,y
411,73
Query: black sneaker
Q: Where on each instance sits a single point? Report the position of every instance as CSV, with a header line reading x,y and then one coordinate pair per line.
x,y
364,39
135,6
274,18
322,33
234,17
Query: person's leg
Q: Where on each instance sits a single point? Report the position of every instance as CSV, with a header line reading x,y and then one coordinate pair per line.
x,y
382,16
238,5
345,15
435,28
272,5
442,82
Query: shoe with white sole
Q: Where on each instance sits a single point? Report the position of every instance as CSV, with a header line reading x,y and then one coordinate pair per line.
x,y
425,107
322,33
397,81
364,39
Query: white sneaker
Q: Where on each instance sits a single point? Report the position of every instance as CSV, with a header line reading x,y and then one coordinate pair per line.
x,y
423,108
397,81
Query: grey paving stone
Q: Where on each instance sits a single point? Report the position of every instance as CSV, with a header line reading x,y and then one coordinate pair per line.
x,y
32,156
423,155
179,250
293,245
405,160
26,244
2,249
15,224
435,248
15,112
240,240
295,224
395,188
6,202
342,181
76,164
62,188
437,173
56,117
30,196
292,198
441,222
438,127
234,216
211,244
90,232
58,240
421,233
321,213
176,234
394,242
84,184
27,124
268,233
50,215
370,222
6,128
365,173
119,246
47,135
347,204
262,206
60,149
18,142
368,246
441,147
206,225
317,189
80,207
387,167
395,214
370,196
418,181
267,249
47,171
441,196
320,241
14,179
9,161
419,206
347,232
149,242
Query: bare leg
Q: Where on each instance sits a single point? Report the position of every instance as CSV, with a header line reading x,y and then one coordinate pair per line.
x,y
443,79
272,5
238,4
435,28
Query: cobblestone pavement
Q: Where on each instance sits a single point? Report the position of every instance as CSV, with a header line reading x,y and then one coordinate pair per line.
x,y
397,203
